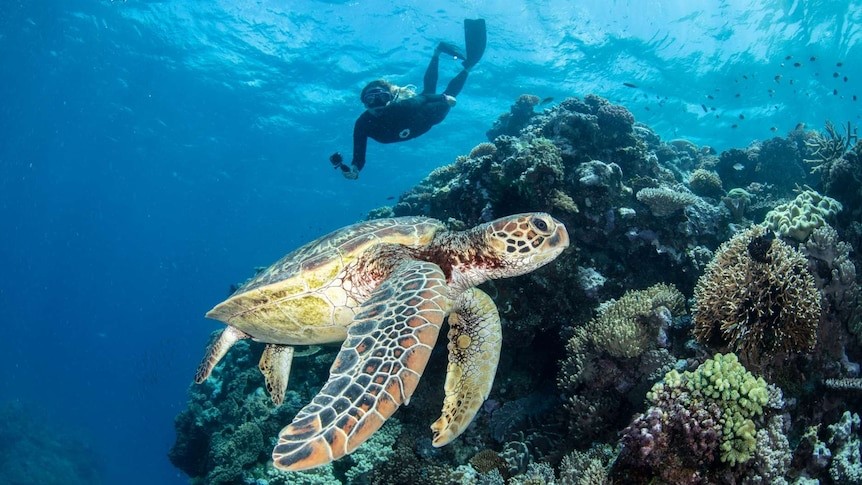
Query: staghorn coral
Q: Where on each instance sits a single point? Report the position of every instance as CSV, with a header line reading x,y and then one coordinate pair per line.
x,y
797,218
758,297
824,149
664,202
697,421
705,183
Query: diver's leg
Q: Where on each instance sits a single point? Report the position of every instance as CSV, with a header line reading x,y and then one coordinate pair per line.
x,y
429,82
456,84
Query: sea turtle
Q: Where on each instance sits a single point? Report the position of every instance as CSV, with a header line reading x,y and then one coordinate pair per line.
x,y
383,287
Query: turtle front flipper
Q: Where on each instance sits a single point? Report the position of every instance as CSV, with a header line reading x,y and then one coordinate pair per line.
x,y
475,337
377,369
275,366
216,351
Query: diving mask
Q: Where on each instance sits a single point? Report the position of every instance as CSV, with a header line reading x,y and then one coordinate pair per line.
x,y
376,98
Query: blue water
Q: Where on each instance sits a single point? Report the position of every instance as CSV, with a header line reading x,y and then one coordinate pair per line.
x,y
153,152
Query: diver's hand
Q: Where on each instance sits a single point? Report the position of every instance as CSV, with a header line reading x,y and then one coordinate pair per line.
x,y
351,173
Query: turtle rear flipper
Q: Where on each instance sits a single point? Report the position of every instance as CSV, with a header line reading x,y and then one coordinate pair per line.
x,y
377,369
275,365
216,351
475,338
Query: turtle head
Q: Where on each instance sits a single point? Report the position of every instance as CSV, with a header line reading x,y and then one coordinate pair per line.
x,y
524,242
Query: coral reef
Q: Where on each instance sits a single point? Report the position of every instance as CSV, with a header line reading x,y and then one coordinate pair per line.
x,y
664,202
757,297
640,210
797,218
615,354
701,425
516,119
705,183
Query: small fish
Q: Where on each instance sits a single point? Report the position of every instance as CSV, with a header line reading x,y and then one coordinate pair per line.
x,y
854,97
835,74
744,76
735,126
646,108
547,100
390,197
797,64
705,109
712,108
788,57
630,85
839,64
845,79
835,92
777,78
709,96
812,58
737,95
773,129
738,166
791,81
799,127
741,116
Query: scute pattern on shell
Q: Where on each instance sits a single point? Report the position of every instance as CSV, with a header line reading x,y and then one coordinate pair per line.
x,y
343,242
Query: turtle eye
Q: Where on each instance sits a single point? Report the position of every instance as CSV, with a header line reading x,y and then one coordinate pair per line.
x,y
540,224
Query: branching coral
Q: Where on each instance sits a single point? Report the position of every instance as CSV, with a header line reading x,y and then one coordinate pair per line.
x,y
826,149
758,297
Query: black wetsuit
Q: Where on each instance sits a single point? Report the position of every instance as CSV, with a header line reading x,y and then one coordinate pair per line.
x,y
405,119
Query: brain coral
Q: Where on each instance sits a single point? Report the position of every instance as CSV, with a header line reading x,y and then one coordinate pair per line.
x,y
757,296
799,217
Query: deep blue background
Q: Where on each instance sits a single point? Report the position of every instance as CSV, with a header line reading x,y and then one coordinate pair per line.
x,y
152,153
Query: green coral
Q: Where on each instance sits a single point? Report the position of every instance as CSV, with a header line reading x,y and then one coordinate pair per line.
x,y
801,216
741,396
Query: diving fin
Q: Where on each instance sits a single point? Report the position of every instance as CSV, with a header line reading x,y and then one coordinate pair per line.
x,y
452,50
475,39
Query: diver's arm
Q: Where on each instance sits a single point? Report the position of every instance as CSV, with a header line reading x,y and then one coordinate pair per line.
x,y
360,142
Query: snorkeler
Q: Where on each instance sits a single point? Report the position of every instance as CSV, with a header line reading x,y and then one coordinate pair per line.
x,y
394,113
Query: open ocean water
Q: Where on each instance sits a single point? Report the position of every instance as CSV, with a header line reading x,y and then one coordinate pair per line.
x,y
152,153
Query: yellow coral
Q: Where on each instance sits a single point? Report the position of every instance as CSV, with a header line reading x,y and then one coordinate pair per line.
x,y
799,217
